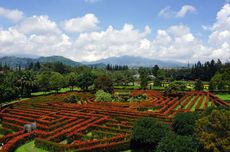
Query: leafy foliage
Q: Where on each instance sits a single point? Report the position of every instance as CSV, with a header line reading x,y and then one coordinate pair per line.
x,y
105,83
213,130
199,85
176,143
183,123
71,99
85,80
56,81
103,96
148,132
71,79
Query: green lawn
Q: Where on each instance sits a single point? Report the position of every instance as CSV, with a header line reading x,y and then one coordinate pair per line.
x,y
157,88
63,90
194,105
29,147
223,96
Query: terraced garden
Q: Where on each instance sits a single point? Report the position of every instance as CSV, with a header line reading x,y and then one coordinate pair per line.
x,y
89,125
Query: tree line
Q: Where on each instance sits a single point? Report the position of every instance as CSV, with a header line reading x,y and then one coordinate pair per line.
x,y
18,82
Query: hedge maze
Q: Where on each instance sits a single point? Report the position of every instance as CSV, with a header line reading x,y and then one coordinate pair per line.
x,y
92,126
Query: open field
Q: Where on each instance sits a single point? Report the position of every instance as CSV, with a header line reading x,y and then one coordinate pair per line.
x,y
89,125
224,96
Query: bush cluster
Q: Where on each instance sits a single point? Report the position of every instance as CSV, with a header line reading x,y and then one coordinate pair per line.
x,y
103,96
71,99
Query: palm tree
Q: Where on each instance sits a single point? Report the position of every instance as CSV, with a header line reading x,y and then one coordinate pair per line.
x,y
26,83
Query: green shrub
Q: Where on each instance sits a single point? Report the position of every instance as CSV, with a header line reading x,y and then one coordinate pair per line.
x,y
183,123
48,145
103,96
212,130
71,99
199,85
147,133
176,143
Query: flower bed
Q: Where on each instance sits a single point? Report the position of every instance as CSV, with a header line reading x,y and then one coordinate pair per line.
x,y
109,123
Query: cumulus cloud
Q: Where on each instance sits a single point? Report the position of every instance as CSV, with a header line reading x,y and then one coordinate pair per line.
x,y
13,15
81,24
220,36
186,9
41,36
111,42
37,25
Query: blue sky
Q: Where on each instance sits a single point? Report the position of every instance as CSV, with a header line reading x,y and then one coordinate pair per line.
x,y
117,12
195,19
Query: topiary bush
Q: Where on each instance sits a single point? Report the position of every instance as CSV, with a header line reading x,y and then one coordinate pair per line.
x,y
147,133
103,96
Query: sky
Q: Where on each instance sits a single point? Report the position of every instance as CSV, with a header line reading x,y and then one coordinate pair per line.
x,y
89,30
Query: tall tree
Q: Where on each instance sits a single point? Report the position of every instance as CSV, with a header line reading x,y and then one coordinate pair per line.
x,y
199,85
155,70
213,131
56,81
104,83
26,82
85,80
43,80
71,80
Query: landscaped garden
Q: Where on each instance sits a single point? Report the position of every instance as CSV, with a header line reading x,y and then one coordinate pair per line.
x,y
88,125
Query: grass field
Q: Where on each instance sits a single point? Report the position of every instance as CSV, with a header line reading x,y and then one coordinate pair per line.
x,y
29,147
63,90
224,96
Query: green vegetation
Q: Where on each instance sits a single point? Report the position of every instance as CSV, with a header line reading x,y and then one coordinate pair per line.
x,y
147,133
104,83
199,85
71,99
183,123
224,96
29,147
212,130
174,143
103,96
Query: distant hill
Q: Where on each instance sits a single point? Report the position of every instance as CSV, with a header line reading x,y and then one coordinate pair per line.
x,y
14,61
61,59
134,61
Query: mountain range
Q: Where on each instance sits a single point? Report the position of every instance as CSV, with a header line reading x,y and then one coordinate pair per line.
x,y
136,61
131,61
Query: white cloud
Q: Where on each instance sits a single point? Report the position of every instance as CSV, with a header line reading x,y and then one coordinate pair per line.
x,y
219,39
13,15
38,25
111,42
81,24
185,10
167,12
176,42
40,36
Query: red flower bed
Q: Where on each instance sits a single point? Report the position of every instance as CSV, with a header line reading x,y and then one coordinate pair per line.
x,y
57,121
